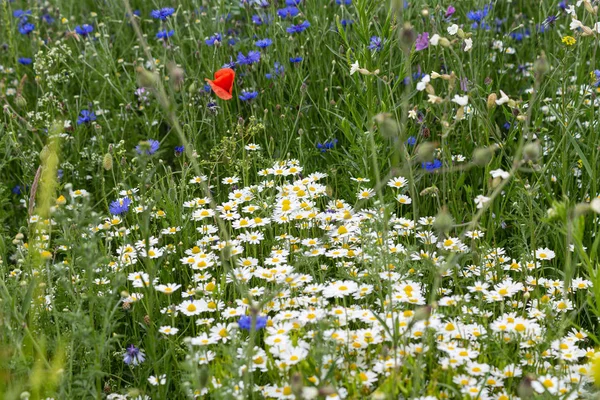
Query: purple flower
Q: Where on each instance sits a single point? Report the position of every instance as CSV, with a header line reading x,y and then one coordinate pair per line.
x,y
376,43
84,29
134,355
264,43
245,322
324,147
148,147
85,117
247,96
422,41
252,57
298,28
164,34
214,39
432,166
26,28
163,13
288,12
120,206
451,10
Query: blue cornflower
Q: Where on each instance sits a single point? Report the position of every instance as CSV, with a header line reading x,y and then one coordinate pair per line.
x,y
295,60
17,190
263,43
262,19
120,206
411,141
288,12
163,13
26,28
214,39
165,34
477,16
148,147
179,150
260,3
247,96
563,5
21,13
24,60
84,29
47,18
292,2
431,166
346,22
550,20
245,322
376,43
134,356
326,146
85,117
506,125
597,75
343,2
277,70
298,28
252,57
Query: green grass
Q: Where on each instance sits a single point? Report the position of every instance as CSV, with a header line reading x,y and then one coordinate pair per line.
x,y
370,297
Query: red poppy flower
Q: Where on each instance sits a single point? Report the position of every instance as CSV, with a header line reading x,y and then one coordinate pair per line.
x,y
222,85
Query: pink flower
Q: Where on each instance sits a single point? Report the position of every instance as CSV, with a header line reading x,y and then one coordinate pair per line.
x,y
422,41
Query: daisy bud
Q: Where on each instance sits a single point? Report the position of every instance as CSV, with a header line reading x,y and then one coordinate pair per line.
x,y
483,155
444,42
532,151
20,101
541,66
192,88
425,12
107,162
425,152
443,221
387,125
491,101
525,389
146,79
407,37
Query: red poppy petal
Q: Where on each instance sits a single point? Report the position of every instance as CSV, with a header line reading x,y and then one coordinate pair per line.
x,y
222,85
219,91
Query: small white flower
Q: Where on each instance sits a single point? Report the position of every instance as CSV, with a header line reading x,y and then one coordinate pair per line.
x,y
435,39
503,98
499,173
423,83
452,29
468,44
461,100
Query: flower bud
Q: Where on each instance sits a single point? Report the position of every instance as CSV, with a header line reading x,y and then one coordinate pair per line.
x,y
407,37
532,151
443,221
491,101
107,161
425,152
146,79
483,155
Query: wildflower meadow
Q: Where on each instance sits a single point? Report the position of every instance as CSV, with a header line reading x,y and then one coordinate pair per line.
x,y
299,199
